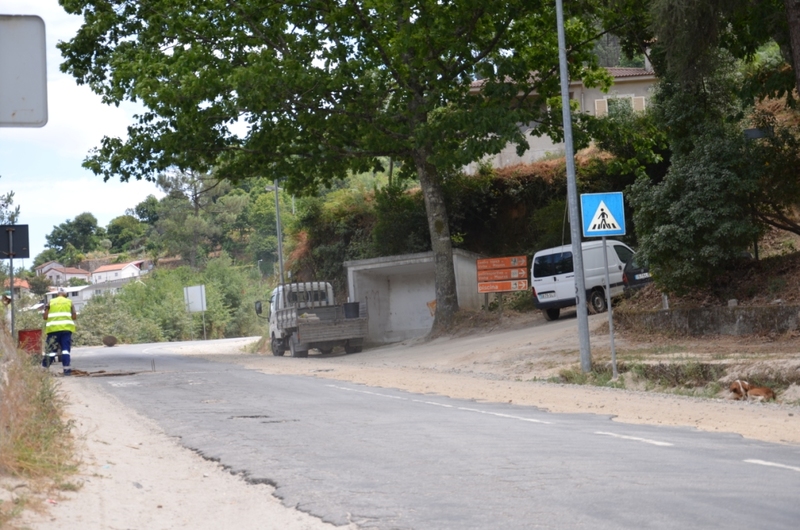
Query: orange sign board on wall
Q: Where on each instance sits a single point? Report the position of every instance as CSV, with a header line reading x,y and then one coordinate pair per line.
x,y
502,263
499,287
502,274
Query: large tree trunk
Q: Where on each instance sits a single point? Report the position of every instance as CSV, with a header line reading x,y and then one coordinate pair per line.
x,y
439,227
793,17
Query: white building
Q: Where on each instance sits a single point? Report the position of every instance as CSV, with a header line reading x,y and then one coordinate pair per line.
x,y
117,271
58,274
632,86
400,292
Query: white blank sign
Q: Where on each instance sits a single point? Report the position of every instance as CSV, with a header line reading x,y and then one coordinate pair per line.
x,y
23,71
195,298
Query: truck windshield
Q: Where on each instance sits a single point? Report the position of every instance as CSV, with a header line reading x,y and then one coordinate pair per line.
x,y
552,264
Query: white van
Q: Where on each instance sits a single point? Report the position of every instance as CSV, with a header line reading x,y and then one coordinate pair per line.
x,y
553,278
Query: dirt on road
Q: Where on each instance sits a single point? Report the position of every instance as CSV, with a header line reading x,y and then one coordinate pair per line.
x,y
134,476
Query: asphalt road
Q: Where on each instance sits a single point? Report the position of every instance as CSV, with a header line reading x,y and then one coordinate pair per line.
x,y
388,459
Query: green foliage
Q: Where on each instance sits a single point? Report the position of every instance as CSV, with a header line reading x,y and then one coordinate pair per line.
x,y
75,237
401,226
48,254
39,284
698,219
125,232
109,315
332,231
152,309
691,33
9,214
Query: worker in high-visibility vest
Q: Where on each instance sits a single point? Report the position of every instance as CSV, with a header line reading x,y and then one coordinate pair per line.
x,y
60,316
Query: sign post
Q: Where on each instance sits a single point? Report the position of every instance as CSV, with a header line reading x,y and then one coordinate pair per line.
x,y
604,215
502,275
12,247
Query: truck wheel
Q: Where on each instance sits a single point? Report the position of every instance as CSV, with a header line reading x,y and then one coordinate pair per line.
x,y
353,346
597,301
277,347
551,314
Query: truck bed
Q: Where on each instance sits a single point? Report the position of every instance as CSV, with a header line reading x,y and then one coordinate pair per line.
x,y
326,323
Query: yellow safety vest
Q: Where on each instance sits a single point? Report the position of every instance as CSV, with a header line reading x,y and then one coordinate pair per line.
x,y
60,316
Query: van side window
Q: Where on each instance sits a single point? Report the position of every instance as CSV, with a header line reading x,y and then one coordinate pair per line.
x,y
624,253
552,264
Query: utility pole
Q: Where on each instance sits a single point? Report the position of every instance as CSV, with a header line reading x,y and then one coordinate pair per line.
x,y
572,198
276,189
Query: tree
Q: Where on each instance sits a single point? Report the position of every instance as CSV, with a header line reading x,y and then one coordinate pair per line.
x,y
81,233
39,284
124,232
327,87
196,213
690,33
146,211
8,213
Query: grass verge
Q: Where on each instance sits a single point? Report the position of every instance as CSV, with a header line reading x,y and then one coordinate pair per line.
x,y
685,378
36,444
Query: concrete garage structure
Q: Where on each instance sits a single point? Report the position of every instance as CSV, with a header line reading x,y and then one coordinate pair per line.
x,y
400,292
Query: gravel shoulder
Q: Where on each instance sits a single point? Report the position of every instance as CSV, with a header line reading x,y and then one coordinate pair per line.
x,y
135,476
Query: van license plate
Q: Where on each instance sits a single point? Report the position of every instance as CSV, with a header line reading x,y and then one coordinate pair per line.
x,y
551,294
641,276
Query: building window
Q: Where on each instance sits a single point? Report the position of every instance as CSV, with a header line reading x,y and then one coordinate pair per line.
x,y
611,104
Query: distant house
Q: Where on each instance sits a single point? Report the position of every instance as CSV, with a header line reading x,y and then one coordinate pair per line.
x,y
58,274
117,271
632,87
76,294
21,287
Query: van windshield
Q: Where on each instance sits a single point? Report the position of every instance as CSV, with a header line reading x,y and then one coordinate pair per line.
x,y
552,264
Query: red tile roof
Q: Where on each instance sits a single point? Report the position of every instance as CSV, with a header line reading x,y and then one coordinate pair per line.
x,y
115,266
71,270
18,282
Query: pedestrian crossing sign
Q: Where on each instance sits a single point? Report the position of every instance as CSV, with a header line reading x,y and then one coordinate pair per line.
x,y
603,214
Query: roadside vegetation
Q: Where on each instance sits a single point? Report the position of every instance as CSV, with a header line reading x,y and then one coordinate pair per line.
x,y
36,442
688,378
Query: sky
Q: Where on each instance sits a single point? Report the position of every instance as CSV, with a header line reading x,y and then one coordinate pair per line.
x,y
42,166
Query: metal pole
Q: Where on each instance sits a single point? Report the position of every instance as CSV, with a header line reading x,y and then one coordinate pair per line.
x,y
11,274
610,314
572,198
280,231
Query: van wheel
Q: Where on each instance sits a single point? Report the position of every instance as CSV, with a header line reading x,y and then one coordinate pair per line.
x,y
551,314
597,301
277,347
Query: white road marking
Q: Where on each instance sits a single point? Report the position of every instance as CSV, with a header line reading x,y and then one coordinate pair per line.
x,y
499,415
635,439
124,383
772,464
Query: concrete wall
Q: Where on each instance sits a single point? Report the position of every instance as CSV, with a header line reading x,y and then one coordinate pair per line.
x,y
713,320
400,292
